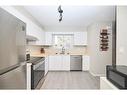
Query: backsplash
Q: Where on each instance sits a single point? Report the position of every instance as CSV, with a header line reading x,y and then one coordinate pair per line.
x,y
51,50
34,49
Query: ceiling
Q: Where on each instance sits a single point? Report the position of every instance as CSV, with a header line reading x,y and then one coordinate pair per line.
x,y
73,16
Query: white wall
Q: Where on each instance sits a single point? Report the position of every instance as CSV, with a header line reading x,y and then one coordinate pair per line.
x,y
121,35
65,29
24,12
98,59
33,28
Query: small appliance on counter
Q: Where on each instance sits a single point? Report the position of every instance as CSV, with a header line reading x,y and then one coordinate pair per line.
x,y
42,50
117,75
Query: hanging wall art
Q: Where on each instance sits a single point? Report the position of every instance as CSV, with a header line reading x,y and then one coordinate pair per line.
x,y
104,40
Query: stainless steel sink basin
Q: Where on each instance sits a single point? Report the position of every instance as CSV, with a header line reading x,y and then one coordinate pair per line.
x,y
63,53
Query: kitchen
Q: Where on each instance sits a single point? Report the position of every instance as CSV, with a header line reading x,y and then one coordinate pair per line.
x,y
66,55
61,47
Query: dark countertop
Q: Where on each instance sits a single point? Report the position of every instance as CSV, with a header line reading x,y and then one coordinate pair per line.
x,y
120,68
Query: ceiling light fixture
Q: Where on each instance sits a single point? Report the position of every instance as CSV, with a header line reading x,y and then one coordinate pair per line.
x,y
60,11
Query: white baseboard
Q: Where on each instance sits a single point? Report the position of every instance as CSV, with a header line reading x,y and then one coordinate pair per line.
x,y
99,75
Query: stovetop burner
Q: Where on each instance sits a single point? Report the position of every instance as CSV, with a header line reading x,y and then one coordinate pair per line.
x,y
35,60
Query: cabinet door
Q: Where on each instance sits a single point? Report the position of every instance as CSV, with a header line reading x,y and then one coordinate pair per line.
x,y
48,38
65,62
46,65
86,63
37,33
80,38
55,62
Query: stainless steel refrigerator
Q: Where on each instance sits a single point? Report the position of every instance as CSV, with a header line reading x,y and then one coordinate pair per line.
x,y
12,52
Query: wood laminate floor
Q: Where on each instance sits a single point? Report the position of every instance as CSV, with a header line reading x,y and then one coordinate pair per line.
x,y
71,80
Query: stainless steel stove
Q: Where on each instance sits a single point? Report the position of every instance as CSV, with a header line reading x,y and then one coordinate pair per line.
x,y
37,70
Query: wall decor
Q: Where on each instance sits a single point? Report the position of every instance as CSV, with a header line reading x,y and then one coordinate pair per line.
x,y
104,40
61,13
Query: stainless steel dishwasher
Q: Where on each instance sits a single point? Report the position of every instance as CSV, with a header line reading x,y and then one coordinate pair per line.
x,y
76,63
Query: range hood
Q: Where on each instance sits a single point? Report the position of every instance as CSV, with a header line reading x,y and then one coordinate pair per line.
x,y
31,38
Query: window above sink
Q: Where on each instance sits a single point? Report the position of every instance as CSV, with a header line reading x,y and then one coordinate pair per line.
x,y
63,40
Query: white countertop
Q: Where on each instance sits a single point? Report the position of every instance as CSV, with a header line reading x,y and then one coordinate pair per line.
x,y
106,84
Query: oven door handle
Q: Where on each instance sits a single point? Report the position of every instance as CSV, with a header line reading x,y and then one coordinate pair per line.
x,y
38,64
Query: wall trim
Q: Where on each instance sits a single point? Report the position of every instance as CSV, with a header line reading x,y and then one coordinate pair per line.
x,y
97,75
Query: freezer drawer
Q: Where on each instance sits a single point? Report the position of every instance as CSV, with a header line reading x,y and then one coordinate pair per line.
x,y
14,79
76,62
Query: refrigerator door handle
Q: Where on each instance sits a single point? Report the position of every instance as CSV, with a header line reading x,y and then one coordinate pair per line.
x,y
8,69
11,68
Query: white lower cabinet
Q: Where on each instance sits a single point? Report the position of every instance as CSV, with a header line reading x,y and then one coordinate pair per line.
x,y
46,64
62,62
59,62
66,62
85,63
55,62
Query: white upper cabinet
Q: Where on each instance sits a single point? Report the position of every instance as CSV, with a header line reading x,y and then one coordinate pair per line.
x,y
80,38
48,38
37,33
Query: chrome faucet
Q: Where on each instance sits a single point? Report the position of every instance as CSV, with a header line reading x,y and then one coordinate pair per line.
x,y
63,50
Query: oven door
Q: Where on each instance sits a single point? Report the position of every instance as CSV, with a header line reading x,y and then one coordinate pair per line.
x,y
38,72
